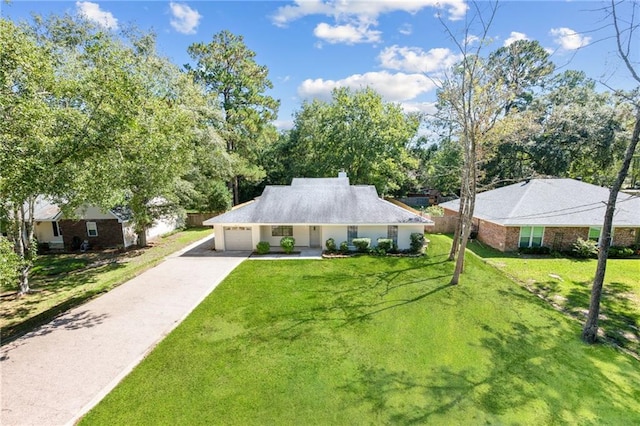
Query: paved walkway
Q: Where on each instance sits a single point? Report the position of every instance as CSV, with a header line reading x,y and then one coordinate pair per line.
x,y
55,374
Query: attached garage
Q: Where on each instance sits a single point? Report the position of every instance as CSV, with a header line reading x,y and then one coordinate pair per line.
x,y
238,238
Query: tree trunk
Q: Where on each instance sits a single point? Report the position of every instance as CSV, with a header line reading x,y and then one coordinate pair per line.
x,y
457,233
590,330
24,279
22,236
236,191
466,210
142,237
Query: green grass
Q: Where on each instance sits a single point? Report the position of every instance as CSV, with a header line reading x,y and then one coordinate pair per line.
x,y
375,341
567,283
62,281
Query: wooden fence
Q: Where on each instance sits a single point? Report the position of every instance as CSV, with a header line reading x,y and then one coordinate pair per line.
x,y
443,225
196,219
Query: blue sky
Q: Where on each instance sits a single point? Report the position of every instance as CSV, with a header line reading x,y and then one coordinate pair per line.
x,y
399,47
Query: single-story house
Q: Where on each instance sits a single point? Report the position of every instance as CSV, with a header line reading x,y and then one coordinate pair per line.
x,y
550,212
312,210
101,229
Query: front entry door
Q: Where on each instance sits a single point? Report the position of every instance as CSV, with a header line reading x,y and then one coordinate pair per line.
x,y
314,236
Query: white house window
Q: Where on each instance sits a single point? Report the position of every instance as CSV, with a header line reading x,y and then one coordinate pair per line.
x,y
352,232
92,229
392,233
531,236
56,229
282,231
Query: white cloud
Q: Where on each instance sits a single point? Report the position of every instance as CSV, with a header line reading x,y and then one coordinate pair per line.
x,y
405,29
515,36
396,87
360,15
371,9
471,39
414,59
422,107
348,34
185,20
92,12
283,124
568,39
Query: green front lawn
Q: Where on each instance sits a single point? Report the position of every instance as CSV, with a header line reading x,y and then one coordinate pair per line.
x,y
62,281
567,282
375,341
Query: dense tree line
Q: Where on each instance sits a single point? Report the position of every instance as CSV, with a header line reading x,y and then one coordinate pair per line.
x,y
88,116
92,116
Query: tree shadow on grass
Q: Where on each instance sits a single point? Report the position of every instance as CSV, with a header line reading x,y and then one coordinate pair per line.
x,y
356,302
20,314
525,371
619,317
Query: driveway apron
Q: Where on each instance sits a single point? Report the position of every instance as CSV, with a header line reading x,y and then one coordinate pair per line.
x,y
55,374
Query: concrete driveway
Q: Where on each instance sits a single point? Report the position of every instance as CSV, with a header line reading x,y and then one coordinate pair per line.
x,y
55,374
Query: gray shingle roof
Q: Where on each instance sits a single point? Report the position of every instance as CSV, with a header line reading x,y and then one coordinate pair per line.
x,y
552,202
318,201
46,210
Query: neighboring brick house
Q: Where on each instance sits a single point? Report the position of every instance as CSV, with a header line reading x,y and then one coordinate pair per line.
x,y
100,229
550,212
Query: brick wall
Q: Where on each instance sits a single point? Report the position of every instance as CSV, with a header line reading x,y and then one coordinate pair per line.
x,y
562,239
507,238
109,233
492,234
625,236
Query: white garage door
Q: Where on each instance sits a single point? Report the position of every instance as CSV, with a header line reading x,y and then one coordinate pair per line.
x,y
238,238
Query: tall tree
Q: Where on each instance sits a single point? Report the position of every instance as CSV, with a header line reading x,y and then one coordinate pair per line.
x,y
522,67
567,130
624,36
474,100
88,117
227,68
356,132
28,142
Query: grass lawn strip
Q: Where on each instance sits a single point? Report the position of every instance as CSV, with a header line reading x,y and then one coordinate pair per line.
x,y
375,341
63,281
566,284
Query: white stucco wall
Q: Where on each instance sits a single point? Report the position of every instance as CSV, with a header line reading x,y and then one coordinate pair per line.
x,y
43,232
92,212
404,234
300,234
161,227
337,232
372,232
218,232
128,234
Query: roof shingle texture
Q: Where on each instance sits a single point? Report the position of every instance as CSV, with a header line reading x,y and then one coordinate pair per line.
x,y
318,201
552,202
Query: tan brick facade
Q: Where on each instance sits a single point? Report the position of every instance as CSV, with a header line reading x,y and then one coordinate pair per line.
x,y
492,234
626,236
557,238
109,233
562,239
